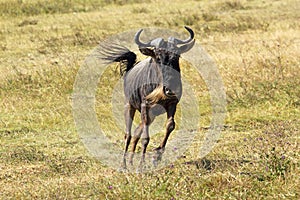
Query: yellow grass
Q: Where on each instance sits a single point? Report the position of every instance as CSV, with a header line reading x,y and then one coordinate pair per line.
x,y
256,46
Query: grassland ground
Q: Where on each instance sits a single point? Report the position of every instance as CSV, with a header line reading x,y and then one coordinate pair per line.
x,y
256,46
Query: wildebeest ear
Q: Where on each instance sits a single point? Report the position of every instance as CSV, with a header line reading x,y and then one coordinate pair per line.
x,y
147,52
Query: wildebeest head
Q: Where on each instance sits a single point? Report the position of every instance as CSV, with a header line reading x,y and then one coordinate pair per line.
x,y
166,52
166,55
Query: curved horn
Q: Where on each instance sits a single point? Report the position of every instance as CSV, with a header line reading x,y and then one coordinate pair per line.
x,y
187,40
186,47
137,40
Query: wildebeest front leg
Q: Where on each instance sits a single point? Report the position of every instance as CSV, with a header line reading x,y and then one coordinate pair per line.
x,y
136,137
170,126
129,115
145,133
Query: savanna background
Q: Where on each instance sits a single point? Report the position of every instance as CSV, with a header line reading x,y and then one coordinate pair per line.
x,y
256,46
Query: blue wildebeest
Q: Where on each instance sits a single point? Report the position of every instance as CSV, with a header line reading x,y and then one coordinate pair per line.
x,y
152,86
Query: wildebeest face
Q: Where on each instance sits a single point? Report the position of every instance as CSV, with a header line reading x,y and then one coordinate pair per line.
x,y
165,56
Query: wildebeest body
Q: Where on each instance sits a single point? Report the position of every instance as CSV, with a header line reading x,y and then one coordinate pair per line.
x,y
152,86
147,76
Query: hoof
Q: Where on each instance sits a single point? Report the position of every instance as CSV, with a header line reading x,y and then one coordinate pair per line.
x,y
123,170
158,152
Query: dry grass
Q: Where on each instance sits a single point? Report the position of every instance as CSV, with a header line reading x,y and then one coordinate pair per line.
x,y
256,46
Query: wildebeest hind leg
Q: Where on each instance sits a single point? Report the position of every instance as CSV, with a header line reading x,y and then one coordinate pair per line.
x,y
129,115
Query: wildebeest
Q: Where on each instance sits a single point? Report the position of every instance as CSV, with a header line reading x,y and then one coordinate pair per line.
x,y
152,86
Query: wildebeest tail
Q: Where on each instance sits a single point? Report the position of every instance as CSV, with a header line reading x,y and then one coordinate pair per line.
x,y
117,53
